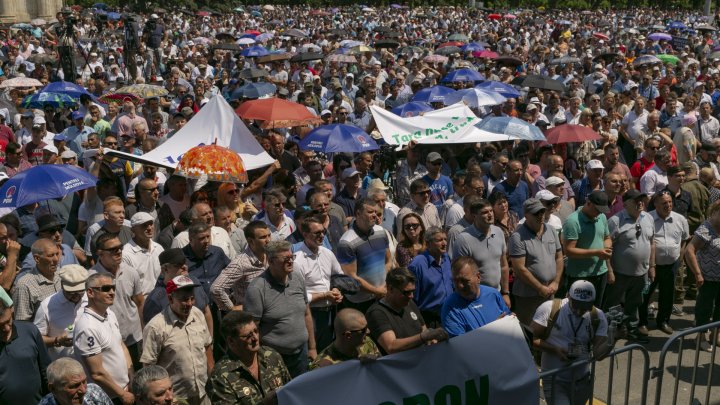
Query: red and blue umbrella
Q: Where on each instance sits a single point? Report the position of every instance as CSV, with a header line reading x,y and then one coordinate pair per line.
x,y
42,183
412,109
254,51
435,94
338,138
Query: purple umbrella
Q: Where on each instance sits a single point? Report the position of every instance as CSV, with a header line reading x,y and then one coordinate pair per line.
x,y
660,36
396,6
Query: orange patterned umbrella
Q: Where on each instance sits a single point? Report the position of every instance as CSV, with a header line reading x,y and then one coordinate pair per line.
x,y
217,162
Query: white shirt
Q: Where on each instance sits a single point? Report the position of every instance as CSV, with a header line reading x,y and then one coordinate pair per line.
x,y
653,180
145,262
316,270
54,315
95,334
219,238
176,207
287,227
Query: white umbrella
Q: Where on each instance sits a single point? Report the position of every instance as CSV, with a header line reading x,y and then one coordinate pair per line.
x,y
20,82
475,98
245,41
268,7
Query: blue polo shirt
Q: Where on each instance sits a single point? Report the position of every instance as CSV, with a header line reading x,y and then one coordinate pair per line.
x,y
23,361
206,269
516,195
433,281
460,316
368,252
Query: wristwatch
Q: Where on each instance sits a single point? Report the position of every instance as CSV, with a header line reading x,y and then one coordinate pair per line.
x,y
505,292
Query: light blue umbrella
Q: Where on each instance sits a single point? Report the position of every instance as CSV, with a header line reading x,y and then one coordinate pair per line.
x,y
412,109
475,98
463,75
71,89
472,47
254,51
660,36
503,89
512,127
42,183
338,138
253,90
435,94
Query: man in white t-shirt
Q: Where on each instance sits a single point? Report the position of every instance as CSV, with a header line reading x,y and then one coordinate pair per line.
x,y
98,343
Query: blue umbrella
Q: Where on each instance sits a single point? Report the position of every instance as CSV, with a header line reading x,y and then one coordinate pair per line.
x,y
40,100
433,94
660,36
512,127
71,89
256,13
412,109
248,35
463,75
253,90
677,25
338,138
472,47
44,182
114,16
254,51
503,89
100,6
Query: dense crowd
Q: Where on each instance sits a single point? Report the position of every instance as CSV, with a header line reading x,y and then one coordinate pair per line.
x,y
152,288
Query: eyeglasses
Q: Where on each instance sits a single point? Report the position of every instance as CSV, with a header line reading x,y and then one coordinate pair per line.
x,y
111,143
286,259
113,250
105,288
362,331
551,202
233,192
411,226
249,335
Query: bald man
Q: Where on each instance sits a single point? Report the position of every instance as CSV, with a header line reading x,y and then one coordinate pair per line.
x,y
351,340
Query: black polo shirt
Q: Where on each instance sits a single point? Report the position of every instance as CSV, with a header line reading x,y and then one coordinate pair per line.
x,y
681,203
405,323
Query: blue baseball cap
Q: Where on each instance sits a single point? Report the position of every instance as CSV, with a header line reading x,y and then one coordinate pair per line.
x,y
59,137
77,115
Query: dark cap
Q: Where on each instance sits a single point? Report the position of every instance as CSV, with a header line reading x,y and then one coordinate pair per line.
x,y
675,169
633,195
47,222
533,206
173,256
708,148
600,200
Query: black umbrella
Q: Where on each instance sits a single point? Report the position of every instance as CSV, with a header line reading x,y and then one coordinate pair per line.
x,y
393,34
508,60
294,32
307,56
706,28
253,73
539,82
224,36
227,47
382,28
387,43
565,60
607,56
448,50
337,32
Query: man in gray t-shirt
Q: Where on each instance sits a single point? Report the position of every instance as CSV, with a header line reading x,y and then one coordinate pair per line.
x,y
537,261
631,232
485,243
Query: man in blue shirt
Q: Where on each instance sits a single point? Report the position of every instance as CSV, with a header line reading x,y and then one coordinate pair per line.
x,y
516,190
472,305
76,136
441,187
433,281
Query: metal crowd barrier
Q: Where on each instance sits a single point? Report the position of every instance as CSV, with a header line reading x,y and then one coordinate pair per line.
x,y
629,349
680,338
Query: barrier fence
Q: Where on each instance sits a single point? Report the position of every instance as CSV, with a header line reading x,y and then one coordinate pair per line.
x,y
701,372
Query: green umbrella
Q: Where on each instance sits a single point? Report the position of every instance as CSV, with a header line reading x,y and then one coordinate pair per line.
x,y
458,37
671,59
715,55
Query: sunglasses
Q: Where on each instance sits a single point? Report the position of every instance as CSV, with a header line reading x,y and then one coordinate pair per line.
x,y
105,288
111,143
233,192
362,331
286,259
638,231
412,226
114,250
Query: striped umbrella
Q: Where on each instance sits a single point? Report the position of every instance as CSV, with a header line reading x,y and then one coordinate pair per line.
x,y
143,90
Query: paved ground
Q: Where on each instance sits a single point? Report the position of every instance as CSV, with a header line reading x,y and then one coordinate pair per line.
x,y
620,387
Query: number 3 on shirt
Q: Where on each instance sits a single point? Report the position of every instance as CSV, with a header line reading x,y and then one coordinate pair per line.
x,y
90,341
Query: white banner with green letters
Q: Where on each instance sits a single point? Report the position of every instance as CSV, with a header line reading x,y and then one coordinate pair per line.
x,y
489,366
451,122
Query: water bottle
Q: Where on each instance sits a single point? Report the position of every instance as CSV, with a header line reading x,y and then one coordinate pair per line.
x,y
646,289
69,331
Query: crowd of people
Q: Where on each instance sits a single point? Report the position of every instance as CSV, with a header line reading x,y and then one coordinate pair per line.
x,y
152,288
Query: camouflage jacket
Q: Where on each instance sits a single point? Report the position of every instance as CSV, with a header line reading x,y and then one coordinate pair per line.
x,y
331,355
232,383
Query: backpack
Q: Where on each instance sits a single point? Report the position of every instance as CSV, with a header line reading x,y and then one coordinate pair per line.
x,y
555,312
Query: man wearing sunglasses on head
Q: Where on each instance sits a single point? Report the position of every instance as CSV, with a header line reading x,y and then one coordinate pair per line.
x,y
633,260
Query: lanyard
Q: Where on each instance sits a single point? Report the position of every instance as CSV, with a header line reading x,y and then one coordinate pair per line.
x,y
572,325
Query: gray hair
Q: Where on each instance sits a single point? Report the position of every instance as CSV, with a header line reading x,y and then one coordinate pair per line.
x,y
38,248
60,369
376,193
92,280
273,248
145,376
431,232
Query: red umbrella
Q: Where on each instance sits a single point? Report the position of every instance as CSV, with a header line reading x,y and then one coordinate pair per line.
x,y
600,35
203,13
277,113
485,54
494,16
252,32
451,43
510,16
571,133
